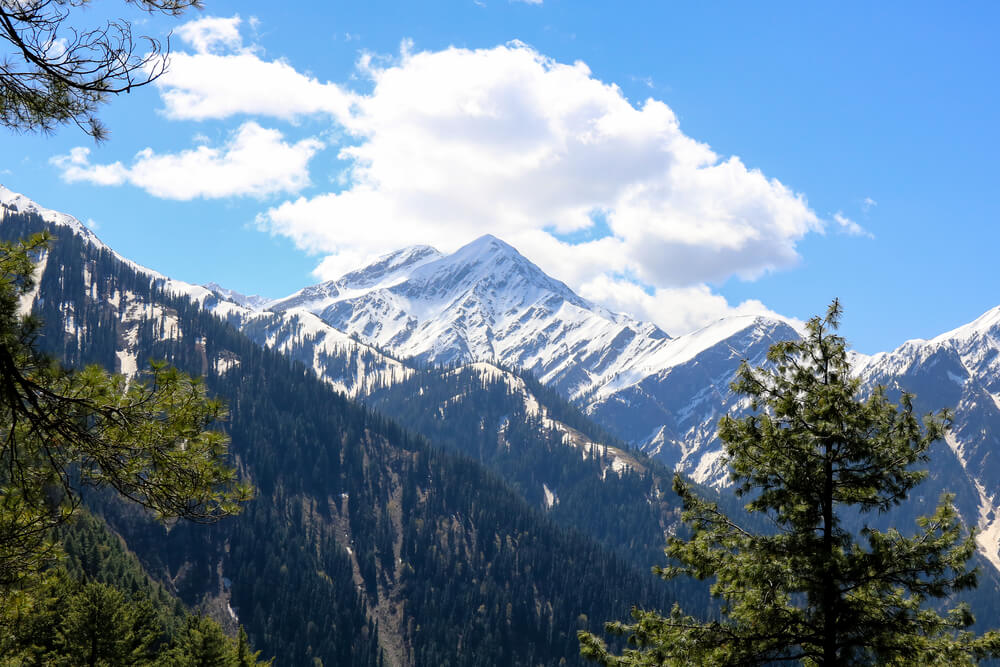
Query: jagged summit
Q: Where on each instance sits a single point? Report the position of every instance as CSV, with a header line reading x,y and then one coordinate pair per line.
x,y
383,272
987,324
485,301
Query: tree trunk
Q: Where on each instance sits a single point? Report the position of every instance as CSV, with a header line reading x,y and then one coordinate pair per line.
x,y
829,590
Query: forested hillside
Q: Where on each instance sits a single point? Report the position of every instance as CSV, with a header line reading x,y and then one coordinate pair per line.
x,y
99,606
365,544
546,450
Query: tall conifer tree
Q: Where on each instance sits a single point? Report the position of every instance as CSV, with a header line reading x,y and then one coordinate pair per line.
x,y
813,453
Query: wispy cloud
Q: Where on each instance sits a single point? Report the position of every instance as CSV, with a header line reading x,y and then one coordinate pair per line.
x,y
848,226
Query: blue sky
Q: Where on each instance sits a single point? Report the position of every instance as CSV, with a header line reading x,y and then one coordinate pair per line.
x,y
679,161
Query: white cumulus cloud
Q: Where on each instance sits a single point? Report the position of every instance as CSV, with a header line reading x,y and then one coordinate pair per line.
x,y
255,161
223,77
212,33
203,86
455,143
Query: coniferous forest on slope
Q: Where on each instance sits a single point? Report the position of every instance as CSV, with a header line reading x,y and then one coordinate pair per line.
x,y
363,537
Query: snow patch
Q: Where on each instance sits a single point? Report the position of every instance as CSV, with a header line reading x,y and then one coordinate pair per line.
x,y
127,363
988,538
225,364
28,298
709,466
551,499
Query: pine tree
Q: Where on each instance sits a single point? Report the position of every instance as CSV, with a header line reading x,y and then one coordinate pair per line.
x,y
202,643
814,453
42,87
101,627
245,655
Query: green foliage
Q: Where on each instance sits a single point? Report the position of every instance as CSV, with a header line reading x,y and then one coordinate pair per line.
x,y
101,604
813,454
62,431
74,623
203,644
84,624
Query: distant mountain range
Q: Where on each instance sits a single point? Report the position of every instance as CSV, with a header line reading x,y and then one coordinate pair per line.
x,y
487,304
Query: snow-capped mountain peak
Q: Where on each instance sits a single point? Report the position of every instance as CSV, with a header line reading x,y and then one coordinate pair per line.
x,y
390,266
484,302
385,271
987,324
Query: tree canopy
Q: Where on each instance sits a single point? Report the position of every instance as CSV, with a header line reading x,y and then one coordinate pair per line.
x,y
813,453
56,72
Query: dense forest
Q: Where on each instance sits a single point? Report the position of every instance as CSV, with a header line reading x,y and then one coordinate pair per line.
x,y
492,417
100,607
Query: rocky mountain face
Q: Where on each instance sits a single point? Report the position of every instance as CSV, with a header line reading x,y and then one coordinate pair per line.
x,y
958,370
347,364
488,303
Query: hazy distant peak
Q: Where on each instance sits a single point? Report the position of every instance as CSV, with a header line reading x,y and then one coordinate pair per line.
x,y
253,301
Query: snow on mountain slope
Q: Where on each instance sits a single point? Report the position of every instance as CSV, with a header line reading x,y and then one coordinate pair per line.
x,y
347,364
618,459
18,203
671,407
485,302
253,302
959,370
488,303
14,202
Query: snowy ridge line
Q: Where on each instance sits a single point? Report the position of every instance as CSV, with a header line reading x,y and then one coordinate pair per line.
x,y
486,301
301,325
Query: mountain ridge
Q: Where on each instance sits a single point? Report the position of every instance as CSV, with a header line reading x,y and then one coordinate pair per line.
x,y
662,395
